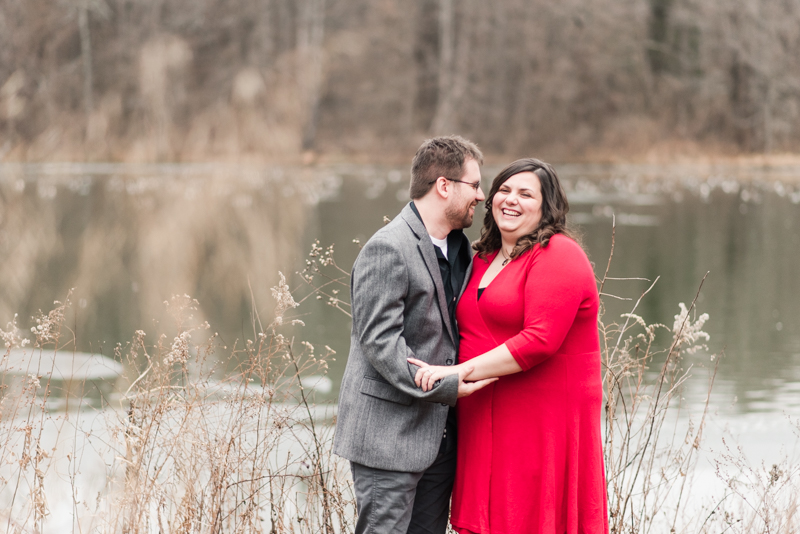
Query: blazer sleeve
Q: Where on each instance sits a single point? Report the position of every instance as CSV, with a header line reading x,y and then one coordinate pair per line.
x,y
559,281
379,288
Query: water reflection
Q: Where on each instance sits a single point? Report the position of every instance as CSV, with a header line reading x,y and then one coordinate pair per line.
x,y
742,231
129,237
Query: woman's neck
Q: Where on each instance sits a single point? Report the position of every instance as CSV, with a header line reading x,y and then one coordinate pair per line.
x,y
507,247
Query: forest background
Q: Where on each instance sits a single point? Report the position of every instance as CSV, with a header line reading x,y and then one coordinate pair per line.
x,y
357,80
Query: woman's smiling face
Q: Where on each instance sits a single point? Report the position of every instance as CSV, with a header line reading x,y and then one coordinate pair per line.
x,y
517,206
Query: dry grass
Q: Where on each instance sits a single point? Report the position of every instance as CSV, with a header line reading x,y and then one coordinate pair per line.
x,y
188,446
207,438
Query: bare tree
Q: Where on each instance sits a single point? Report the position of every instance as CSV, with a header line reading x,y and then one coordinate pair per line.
x,y
765,39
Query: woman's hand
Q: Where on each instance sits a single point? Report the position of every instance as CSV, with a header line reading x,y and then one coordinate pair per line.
x,y
427,374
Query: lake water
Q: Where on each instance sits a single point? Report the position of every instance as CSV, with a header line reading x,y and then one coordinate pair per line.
x,y
129,237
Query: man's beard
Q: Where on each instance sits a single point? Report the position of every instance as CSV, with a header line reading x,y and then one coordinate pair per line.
x,y
459,218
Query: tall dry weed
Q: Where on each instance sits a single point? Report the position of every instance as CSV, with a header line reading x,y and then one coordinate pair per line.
x,y
649,453
653,441
24,414
207,450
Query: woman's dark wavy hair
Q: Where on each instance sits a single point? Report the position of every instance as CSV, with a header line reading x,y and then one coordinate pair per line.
x,y
554,210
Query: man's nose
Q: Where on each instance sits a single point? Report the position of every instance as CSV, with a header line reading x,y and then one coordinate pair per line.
x,y
480,196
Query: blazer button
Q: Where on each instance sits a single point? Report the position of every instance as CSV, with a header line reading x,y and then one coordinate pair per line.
x,y
449,361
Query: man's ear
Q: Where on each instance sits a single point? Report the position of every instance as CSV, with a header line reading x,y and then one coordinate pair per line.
x,y
442,187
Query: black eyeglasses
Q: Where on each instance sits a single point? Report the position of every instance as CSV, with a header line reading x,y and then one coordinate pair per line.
x,y
473,185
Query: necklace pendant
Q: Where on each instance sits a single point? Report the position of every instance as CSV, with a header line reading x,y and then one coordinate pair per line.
x,y
505,262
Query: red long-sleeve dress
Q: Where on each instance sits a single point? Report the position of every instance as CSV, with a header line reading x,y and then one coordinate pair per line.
x,y
529,446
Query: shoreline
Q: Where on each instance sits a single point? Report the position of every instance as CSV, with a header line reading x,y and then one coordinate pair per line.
x,y
661,153
753,169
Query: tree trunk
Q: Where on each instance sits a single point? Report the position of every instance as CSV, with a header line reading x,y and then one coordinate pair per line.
x,y
460,77
310,34
658,51
86,56
524,94
454,57
441,121
767,104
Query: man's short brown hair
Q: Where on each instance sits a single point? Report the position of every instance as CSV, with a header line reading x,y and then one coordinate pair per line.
x,y
441,156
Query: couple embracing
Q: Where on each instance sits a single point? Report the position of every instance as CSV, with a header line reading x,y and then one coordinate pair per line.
x,y
478,376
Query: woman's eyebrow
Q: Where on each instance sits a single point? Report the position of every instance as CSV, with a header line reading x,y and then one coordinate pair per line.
x,y
519,189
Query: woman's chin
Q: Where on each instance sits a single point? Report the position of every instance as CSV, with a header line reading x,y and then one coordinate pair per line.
x,y
506,225
512,232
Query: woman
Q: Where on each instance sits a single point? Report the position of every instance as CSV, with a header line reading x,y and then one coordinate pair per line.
x,y
529,445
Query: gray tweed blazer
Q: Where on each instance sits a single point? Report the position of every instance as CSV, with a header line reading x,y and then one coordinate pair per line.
x,y
399,311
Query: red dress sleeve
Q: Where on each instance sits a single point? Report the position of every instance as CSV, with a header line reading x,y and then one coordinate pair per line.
x,y
559,284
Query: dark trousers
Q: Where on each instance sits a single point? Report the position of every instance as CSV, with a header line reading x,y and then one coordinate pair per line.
x,y
393,502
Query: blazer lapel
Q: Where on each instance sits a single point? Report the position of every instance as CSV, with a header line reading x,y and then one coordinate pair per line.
x,y
429,256
466,280
464,284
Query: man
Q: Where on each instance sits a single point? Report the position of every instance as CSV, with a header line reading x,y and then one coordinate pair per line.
x,y
405,284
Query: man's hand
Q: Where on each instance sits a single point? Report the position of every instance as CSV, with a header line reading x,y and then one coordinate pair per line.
x,y
428,375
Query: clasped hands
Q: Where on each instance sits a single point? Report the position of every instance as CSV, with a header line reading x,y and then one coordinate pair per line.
x,y
427,376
